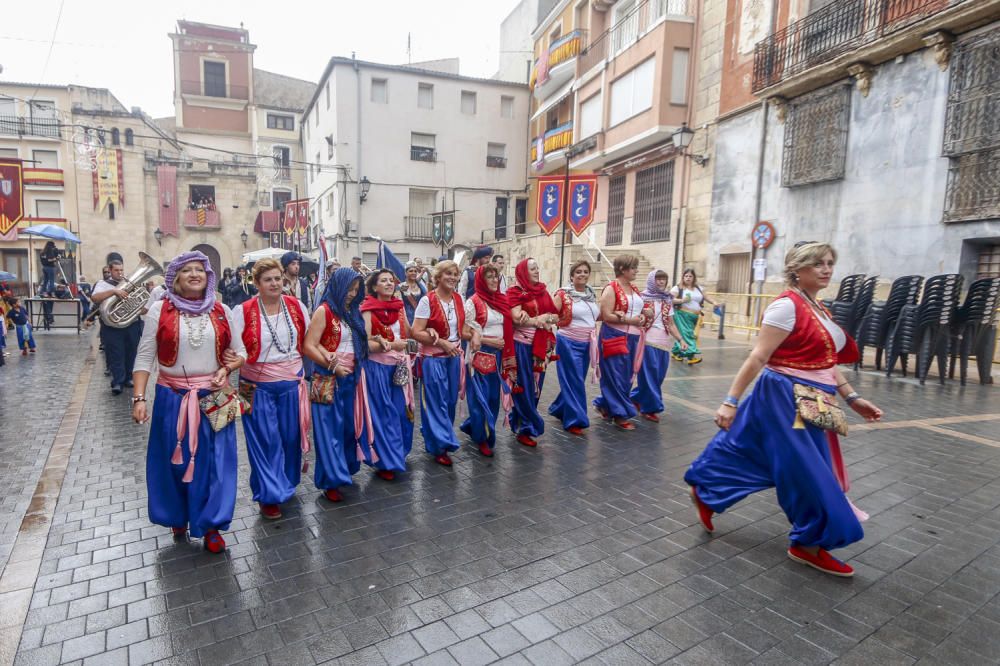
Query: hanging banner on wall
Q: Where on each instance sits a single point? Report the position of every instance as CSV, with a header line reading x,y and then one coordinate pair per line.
x,y
583,196
108,179
549,212
11,194
291,208
303,215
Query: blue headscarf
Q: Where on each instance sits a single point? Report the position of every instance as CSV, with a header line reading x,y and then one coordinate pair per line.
x,y
335,295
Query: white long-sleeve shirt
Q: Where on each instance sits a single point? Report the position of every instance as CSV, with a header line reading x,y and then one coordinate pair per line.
x,y
190,361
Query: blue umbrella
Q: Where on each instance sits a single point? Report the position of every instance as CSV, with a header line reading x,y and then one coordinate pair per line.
x,y
4,275
52,231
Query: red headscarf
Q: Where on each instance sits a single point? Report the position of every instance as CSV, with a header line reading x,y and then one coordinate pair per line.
x,y
387,312
499,302
526,291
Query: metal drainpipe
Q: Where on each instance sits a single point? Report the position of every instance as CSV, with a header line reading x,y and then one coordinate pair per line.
x,y
357,72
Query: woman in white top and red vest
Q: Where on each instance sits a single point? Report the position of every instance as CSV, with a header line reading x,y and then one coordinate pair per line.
x,y
493,366
535,319
439,326
337,343
647,394
576,344
764,442
621,342
276,418
190,468
387,407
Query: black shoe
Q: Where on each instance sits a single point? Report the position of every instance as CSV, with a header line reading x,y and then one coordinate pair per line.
x,y
128,383
107,373
116,389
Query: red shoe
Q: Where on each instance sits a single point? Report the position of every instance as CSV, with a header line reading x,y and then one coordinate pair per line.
x,y
704,513
575,430
651,417
527,440
333,495
385,474
270,511
822,561
624,424
214,543
179,532
24,352
443,459
32,350
603,412
485,449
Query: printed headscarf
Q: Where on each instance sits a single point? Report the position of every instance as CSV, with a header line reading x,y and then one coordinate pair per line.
x,y
187,306
349,313
652,291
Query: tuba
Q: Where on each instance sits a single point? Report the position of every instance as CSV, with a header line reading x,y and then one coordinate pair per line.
x,y
120,313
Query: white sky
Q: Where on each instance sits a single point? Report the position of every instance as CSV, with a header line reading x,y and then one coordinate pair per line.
x,y
122,45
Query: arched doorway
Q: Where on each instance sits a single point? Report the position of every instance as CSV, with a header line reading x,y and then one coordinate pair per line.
x,y
213,258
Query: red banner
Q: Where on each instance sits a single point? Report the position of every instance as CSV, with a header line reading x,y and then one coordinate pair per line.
x,y
11,194
303,215
549,211
582,200
291,209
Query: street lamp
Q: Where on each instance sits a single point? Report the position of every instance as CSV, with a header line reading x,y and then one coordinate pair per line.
x,y
365,186
682,139
244,237
158,235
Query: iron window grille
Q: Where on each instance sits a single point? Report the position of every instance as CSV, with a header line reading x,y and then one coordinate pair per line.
x,y
616,210
972,130
654,189
815,146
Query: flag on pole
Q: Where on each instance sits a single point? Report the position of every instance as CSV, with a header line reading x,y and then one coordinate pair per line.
x,y
386,259
321,278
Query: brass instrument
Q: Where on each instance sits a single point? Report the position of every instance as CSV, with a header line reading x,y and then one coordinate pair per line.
x,y
118,313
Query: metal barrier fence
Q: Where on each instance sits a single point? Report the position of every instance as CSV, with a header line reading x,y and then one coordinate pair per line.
x,y
740,312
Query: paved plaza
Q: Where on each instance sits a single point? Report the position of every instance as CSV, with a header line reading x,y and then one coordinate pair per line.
x,y
582,550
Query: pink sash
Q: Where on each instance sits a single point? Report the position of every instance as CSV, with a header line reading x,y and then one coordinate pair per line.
x,y
639,350
285,371
585,334
437,351
189,414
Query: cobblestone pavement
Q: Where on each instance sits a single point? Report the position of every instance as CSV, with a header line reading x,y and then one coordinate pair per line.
x,y
579,550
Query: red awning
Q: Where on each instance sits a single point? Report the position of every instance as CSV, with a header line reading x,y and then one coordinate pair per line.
x,y
267,221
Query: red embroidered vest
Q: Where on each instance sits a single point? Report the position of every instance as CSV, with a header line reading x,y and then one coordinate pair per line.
x,y
168,333
252,325
810,346
330,339
621,299
438,321
666,312
566,313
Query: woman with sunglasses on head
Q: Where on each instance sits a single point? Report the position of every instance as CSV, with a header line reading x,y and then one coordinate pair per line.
x,y
621,342
576,345
688,299
386,379
337,344
493,364
648,394
439,326
784,435
276,418
191,467
412,290
535,317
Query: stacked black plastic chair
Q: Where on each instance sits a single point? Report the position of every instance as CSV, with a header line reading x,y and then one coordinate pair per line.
x,y
877,324
974,329
848,289
849,314
924,329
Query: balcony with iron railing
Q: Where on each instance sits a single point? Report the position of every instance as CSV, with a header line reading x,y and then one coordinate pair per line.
x,y
823,44
553,140
496,162
419,227
203,89
31,127
629,29
423,154
557,66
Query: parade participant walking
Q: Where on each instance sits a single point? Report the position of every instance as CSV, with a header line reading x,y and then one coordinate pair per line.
x,y
412,290
480,257
781,437
386,376
688,298
576,345
18,316
493,360
620,342
291,264
191,466
83,291
242,289
226,285
647,395
120,344
336,343
439,326
275,396
535,317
